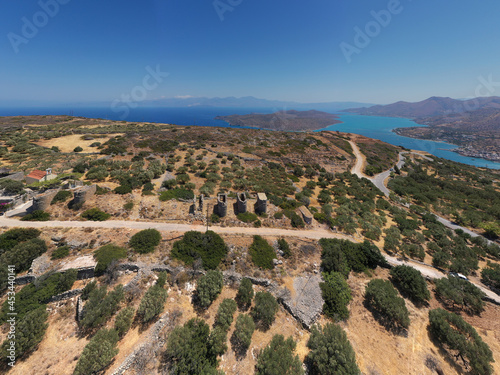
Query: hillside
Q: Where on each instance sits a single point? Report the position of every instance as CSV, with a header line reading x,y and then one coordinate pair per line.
x,y
284,120
122,270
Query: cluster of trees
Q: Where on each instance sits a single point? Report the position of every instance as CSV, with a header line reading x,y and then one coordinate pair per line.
x,y
245,294
19,247
411,283
456,334
208,246
278,358
264,310
343,256
456,292
490,275
223,321
383,298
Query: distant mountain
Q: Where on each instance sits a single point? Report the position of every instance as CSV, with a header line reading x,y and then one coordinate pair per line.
x,y
284,120
435,106
247,102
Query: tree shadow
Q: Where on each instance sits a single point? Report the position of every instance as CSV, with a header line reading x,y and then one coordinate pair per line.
x,y
390,325
238,348
447,356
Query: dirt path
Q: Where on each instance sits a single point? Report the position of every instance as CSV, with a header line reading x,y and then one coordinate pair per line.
x,y
315,234
359,167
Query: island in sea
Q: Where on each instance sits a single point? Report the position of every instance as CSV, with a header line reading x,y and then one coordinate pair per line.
x,y
284,120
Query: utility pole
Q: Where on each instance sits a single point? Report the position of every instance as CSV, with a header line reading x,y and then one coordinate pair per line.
x,y
207,215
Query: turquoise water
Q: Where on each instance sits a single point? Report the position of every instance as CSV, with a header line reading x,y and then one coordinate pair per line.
x,y
381,128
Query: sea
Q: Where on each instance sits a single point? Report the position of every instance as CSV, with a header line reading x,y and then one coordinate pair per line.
x,y
368,126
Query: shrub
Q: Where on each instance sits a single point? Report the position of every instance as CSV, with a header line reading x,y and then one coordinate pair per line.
x,y
411,282
225,314
453,291
123,189
12,237
128,206
278,358
29,332
188,350
20,256
98,353
107,254
60,252
214,218
124,320
208,288
95,214
178,193
145,241
490,275
77,149
296,220
331,352
383,298
283,246
265,309
243,331
262,253
245,294
208,246
152,304
458,335
101,306
37,215
61,196
336,294
247,217
217,341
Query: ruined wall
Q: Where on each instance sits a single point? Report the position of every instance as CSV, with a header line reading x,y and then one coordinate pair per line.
x,y
42,201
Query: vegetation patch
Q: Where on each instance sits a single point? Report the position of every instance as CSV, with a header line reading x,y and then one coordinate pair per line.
x,y
95,214
262,253
208,246
178,193
455,292
37,215
145,241
106,254
411,282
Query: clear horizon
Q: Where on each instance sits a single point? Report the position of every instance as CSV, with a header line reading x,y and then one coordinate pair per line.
x,y
62,52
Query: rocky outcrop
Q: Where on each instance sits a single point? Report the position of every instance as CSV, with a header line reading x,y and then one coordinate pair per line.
x,y
23,280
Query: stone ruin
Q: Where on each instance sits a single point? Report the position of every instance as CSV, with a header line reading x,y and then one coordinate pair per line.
x,y
42,201
83,194
221,207
241,203
201,201
261,205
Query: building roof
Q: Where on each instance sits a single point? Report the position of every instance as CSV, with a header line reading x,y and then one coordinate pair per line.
x,y
36,174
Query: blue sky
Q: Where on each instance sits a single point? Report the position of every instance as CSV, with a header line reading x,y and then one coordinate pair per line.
x,y
286,50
